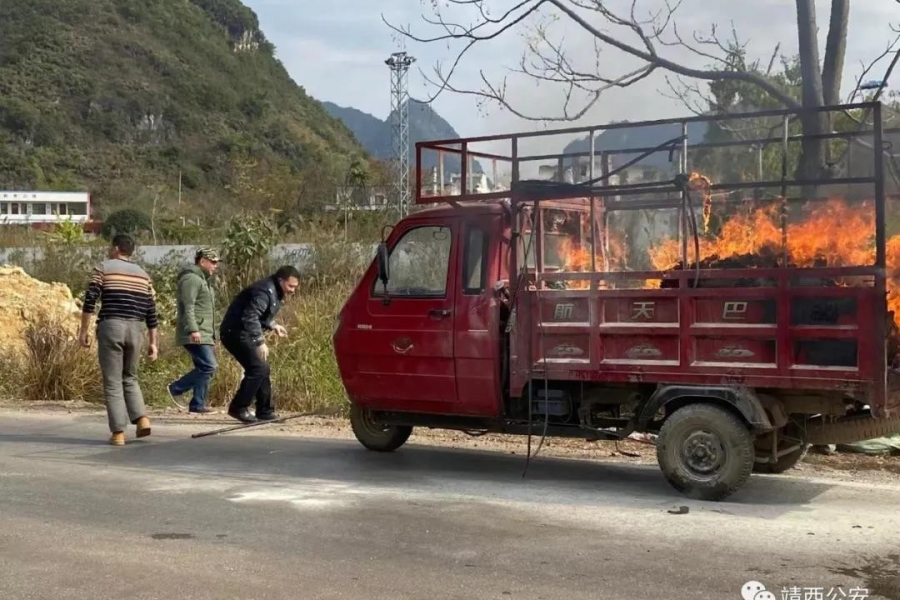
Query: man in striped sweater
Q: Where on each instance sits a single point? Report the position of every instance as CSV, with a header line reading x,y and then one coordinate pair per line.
x,y
125,293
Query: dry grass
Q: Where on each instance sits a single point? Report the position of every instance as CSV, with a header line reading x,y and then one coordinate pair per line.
x,y
304,371
53,366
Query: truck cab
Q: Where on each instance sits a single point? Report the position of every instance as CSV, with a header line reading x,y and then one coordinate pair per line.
x,y
528,311
426,337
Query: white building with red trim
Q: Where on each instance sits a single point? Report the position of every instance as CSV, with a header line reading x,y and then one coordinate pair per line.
x,y
27,208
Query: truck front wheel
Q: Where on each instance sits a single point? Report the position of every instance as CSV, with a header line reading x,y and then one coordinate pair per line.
x,y
375,435
705,452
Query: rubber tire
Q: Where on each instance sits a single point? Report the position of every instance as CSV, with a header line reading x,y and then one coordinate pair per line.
x,y
732,432
388,439
786,462
854,429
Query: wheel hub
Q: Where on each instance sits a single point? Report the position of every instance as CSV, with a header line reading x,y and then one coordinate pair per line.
x,y
373,426
703,452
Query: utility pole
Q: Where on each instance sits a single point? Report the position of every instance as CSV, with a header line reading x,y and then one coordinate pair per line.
x,y
399,63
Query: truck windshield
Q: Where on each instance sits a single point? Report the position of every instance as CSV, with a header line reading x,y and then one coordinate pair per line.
x,y
420,262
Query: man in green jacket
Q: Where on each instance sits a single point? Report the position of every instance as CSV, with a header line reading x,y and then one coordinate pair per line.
x,y
196,330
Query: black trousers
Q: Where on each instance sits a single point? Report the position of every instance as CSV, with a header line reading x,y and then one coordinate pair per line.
x,y
256,382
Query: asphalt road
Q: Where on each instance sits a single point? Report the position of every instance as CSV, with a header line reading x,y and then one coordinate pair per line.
x,y
254,517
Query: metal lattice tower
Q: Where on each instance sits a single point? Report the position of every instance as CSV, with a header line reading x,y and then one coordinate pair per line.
x,y
399,63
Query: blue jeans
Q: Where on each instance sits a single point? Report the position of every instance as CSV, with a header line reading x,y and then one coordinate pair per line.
x,y
198,379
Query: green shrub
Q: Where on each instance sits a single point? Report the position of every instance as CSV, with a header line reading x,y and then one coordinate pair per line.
x,y
128,221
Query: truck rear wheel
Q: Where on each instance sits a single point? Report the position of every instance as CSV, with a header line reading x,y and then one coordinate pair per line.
x,y
375,435
705,452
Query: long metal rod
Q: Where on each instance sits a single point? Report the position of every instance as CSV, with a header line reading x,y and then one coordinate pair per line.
x,y
758,273
880,215
515,159
248,425
604,170
672,121
674,203
574,191
786,122
684,202
835,135
593,209
464,171
441,171
880,395
712,145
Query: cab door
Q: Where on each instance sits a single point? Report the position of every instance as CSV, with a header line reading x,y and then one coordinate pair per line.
x,y
477,347
405,350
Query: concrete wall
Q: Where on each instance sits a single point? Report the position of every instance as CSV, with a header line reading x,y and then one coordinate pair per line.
x,y
298,255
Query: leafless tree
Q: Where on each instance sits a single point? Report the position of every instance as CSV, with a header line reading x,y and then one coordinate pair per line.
x,y
645,38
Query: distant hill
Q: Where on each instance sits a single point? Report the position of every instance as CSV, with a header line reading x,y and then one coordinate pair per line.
x,y
424,124
114,96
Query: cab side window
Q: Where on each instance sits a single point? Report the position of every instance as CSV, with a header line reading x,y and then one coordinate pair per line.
x,y
475,261
419,263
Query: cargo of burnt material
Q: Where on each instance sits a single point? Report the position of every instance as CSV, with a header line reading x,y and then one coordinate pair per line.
x,y
24,300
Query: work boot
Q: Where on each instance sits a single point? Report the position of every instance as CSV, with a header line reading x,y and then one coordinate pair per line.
x,y
117,438
243,416
143,427
203,410
266,416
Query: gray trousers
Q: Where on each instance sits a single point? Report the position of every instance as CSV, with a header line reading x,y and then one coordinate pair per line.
x,y
120,343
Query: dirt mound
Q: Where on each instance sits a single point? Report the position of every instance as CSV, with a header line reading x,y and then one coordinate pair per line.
x,y
24,298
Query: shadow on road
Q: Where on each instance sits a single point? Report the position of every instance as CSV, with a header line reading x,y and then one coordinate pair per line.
x,y
273,460
37,438
490,475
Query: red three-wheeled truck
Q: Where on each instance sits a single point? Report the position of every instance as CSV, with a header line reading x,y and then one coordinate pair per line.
x,y
739,314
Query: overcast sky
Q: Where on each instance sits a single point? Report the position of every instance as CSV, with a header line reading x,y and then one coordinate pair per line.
x,y
336,50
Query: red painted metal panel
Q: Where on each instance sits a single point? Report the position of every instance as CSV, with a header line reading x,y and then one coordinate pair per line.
x,y
640,309
564,348
755,336
746,352
641,349
734,311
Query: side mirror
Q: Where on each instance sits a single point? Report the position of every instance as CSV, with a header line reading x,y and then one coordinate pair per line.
x,y
383,259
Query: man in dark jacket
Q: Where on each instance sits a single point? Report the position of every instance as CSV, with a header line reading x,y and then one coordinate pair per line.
x,y
195,329
250,315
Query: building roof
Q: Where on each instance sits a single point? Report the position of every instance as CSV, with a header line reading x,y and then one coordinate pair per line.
x,y
43,196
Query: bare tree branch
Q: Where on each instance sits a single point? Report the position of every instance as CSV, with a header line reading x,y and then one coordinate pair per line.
x,y
709,75
546,60
772,60
868,68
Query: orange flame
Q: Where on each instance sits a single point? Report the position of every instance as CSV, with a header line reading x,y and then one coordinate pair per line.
x,y
893,277
699,182
833,234
576,258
